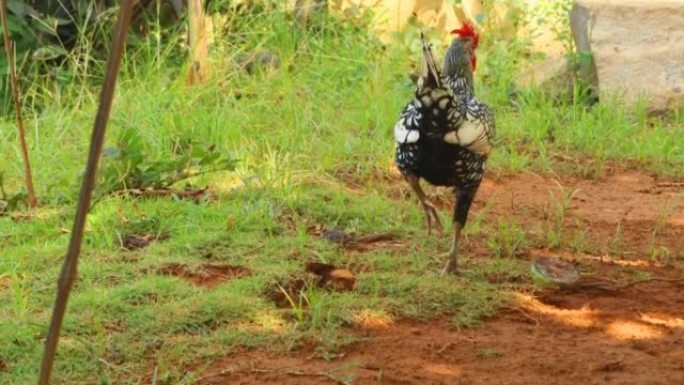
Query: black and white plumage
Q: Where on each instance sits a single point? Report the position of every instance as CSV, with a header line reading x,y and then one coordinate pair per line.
x,y
444,135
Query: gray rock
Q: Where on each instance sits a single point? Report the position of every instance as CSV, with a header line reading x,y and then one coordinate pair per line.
x,y
586,67
554,76
264,59
637,47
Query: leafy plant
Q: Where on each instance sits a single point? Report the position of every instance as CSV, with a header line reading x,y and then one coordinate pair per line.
x,y
59,41
10,202
127,165
554,16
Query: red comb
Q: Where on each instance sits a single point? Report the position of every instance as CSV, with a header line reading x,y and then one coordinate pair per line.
x,y
467,30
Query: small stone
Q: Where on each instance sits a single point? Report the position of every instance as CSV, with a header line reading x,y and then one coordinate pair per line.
x,y
267,60
335,236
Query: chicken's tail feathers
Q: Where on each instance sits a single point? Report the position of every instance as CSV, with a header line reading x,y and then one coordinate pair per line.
x,y
429,75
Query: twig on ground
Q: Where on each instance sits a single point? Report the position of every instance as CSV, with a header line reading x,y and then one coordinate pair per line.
x,y
289,371
670,184
319,374
653,279
163,192
372,238
524,313
612,286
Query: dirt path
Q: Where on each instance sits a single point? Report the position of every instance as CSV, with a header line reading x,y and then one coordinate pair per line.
x,y
632,336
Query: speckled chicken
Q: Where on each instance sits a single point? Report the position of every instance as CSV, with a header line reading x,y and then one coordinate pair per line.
x,y
445,134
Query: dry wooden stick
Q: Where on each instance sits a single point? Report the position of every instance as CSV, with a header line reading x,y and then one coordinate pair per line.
x,y
9,50
197,36
68,274
289,371
327,375
670,184
652,279
164,192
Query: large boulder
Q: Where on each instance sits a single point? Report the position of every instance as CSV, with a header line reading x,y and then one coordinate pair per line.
x,y
554,76
637,47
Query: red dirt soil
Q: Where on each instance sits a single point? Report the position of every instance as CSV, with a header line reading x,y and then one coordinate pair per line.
x,y
634,200
631,336
206,275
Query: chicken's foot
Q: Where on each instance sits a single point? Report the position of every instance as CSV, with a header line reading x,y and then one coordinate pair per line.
x,y
451,266
430,211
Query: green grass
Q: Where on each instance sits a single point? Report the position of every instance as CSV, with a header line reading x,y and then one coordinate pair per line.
x,y
300,134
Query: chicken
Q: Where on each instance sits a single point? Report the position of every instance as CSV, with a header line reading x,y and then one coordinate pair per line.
x,y
444,135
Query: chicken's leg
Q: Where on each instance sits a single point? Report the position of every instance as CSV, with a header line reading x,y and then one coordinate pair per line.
x,y
463,201
430,210
452,256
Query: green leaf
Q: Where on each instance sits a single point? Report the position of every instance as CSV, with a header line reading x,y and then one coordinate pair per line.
x,y
21,9
210,158
16,25
14,201
49,52
49,24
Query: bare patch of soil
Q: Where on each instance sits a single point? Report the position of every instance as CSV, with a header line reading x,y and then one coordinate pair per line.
x,y
5,282
625,208
628,213
206,275
633,334
636,337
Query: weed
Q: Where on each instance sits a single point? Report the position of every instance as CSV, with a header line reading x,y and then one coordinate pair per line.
x,y
617,244
491,352
578,240
298,303
556,213
127,167
10,202
508,238
660,252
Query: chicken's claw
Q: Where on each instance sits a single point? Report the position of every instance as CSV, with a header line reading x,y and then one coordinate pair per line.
x,y
432,217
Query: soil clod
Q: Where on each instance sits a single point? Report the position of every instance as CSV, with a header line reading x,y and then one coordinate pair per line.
x,y
332,277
